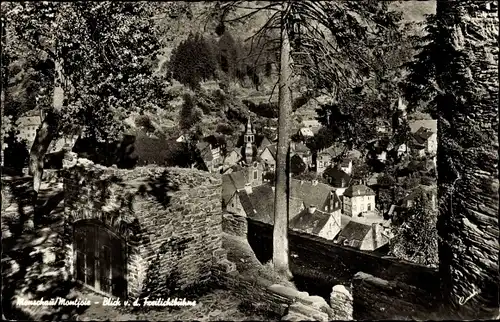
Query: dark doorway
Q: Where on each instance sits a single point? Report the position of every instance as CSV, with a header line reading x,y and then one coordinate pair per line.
x,y
100,258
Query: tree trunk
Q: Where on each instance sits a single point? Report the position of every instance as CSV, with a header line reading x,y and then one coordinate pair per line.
x,y
5,81
280,234
47,131
468,157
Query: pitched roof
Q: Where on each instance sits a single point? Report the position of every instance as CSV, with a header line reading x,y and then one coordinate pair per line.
x,y
353,234
301,148
205,151
296,160
214,140
359,190
272,149
232,182
262,200
310,223
305,131
310,194
246,203
295,206
345,162
331,151
422,135
340,179
430,124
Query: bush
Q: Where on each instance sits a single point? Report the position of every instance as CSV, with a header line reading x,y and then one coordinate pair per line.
x,y
193,61
16,155
143,121
225,129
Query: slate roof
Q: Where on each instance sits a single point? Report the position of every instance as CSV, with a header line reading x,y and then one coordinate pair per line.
x,y
272,149
353,233
422,135
345,162
310,194
246,203
337,175
261,203
359,190
310,223
295,206
301,148
296,161
230,184
331,151
205,151
429,124
215,141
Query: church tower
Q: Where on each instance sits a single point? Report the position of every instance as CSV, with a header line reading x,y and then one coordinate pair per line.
x,y
249,139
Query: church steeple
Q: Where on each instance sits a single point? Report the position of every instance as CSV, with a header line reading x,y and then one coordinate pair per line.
x,y
249,139
249,132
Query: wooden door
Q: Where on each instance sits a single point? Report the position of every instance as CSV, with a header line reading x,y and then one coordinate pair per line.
x,y
100,258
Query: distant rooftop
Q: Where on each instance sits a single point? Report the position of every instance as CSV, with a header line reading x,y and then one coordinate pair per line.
x,y
429,124
359,190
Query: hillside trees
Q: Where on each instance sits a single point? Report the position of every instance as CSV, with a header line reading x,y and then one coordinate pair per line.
x,y
354,113
193,61
100,62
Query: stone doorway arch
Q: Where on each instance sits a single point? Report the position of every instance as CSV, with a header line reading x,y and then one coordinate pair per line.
x,y
100,257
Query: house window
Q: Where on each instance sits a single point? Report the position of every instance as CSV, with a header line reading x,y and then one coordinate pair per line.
x,y
369,207
100,258
255,175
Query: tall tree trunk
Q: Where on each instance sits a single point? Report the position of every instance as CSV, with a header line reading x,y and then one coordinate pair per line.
x,y
280,234
47,131
468,157
2,134
5,81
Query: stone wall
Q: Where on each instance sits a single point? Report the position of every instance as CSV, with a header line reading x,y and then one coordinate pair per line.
x,y
234,225
468,155
277,300
170,218
379,299
320,264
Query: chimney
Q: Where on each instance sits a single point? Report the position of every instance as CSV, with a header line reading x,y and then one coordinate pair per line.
x,y
312,209
248,188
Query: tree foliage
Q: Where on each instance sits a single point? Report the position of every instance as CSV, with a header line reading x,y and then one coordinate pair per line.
x,y
193,61
99,65
416,234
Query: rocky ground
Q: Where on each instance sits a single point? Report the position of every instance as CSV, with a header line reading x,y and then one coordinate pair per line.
x,y
219,305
